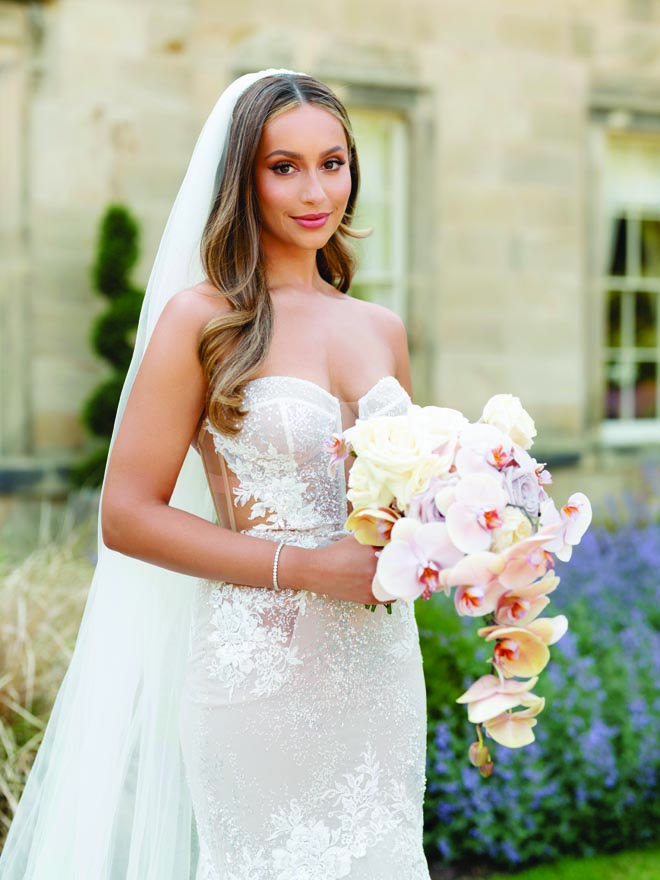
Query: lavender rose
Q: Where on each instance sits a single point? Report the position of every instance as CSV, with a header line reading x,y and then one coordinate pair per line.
x,y
422,506
523,489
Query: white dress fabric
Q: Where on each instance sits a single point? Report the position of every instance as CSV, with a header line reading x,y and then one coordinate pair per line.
x,y
302,718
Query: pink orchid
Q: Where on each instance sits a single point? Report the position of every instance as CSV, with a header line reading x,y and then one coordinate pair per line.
x,y
514,729
477,510
372,525
338,448
547,584
527,560
549,629
489,696
572,522
477,600
517,651
476,569
484,449
410,565
542,475
516,610
524,650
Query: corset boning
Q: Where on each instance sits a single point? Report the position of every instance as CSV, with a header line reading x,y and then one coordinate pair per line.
x,y
273,479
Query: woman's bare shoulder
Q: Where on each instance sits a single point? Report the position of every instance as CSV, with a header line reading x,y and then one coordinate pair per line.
x,y
195,306
375,316
387,331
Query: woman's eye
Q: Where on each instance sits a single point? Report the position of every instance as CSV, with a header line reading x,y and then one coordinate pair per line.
x,y
333,164
282,168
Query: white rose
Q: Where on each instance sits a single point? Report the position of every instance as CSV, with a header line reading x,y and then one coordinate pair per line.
x,y
440,426
419,480
390,446
515,527
504,411
366,488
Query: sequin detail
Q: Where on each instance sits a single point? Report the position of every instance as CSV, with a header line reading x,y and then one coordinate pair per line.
x,y
303,719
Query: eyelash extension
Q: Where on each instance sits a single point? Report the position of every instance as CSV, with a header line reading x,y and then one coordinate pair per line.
x,y
280,165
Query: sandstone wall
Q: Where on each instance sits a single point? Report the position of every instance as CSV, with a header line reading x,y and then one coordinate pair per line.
x,y
507,102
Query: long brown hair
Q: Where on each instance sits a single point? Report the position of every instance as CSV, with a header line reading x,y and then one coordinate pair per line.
x,y
234,345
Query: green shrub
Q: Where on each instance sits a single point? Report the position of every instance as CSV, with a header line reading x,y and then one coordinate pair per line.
x,y
113,333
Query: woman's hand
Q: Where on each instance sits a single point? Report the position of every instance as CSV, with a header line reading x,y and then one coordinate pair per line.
x,y
344,570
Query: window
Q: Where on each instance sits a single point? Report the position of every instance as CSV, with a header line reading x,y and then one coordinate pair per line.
x,y
632,288
382,144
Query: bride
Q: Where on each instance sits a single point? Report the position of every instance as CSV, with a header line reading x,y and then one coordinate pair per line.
x,y
232,709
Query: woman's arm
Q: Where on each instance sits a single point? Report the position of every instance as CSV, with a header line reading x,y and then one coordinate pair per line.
x,y
162,413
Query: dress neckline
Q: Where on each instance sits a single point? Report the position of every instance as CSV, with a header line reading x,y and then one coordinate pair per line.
x,y
206,424
325,391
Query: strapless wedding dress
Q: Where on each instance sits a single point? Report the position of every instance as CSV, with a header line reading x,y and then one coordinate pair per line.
x,y
303,718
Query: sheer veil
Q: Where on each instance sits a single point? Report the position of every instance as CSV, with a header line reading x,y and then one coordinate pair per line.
x,y
107,797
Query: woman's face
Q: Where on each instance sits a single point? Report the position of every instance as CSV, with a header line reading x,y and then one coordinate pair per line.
x,y
302,177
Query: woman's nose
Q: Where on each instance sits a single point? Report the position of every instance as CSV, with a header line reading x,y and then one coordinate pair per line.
x,y
312,191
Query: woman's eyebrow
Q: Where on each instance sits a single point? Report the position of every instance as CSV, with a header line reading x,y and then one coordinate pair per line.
x,y
290,155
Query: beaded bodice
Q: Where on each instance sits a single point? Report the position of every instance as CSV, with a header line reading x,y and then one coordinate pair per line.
x,y
274,475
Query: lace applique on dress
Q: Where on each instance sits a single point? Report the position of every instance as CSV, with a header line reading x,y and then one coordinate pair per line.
x,y
363,808
251,638
278,463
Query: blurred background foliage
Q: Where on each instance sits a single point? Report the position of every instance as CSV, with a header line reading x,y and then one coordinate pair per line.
x,y
113,333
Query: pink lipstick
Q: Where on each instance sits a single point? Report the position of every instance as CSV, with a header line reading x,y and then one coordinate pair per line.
x,y
311,221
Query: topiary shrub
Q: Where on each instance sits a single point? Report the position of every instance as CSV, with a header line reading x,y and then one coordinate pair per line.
x,y
113,333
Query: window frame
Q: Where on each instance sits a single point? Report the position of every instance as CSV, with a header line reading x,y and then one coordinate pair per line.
x,y
396,277
628,431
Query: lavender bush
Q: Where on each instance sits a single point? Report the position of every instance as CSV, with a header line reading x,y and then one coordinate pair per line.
x,y
589,782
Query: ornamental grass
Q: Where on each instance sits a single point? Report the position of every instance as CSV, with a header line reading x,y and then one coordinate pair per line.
x,y
41,604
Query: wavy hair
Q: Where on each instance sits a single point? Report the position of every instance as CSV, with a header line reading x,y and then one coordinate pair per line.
x,y
232,346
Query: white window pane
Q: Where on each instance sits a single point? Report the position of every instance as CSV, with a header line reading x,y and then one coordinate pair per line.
x,y
632,339
381,138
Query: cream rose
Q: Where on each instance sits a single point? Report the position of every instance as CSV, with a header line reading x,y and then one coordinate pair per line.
x,y
419,480
515,527
366,488
504,411
390,447
441,427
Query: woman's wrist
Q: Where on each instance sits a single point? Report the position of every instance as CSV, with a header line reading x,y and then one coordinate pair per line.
x,y
296,567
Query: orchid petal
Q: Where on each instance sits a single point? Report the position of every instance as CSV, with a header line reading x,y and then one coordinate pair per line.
x,y
491,707
518,651
511,731
549,629
366,523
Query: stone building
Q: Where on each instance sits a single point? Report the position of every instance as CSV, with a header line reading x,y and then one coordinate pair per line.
x,y
511,157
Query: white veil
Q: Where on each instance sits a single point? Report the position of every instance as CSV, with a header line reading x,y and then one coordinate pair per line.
x,y
107,797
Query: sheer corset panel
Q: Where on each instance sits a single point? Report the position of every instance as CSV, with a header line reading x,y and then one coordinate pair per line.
x,y
274,476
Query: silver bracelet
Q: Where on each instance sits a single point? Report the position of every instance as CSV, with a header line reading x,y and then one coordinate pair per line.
x,y
276,586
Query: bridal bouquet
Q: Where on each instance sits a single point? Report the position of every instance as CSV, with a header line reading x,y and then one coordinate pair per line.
x,y
463,507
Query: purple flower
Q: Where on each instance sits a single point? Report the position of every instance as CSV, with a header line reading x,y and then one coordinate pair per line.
x,y
523,489
422,506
